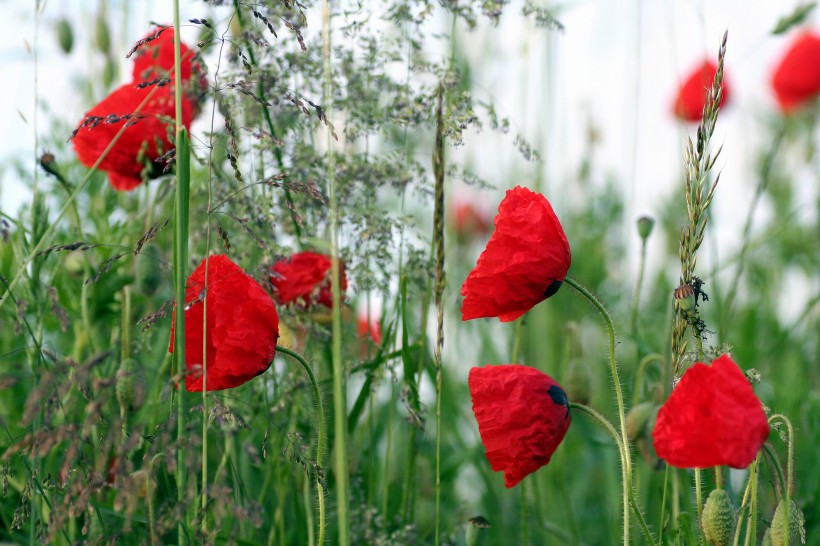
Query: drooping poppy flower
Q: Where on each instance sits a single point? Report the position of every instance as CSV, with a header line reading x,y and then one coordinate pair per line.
x,y
796,80
522,414
712,418
146,108
147,113
524,263
691,96
241,329
304,279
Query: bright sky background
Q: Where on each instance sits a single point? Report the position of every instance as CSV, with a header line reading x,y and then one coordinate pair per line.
x,y
549,84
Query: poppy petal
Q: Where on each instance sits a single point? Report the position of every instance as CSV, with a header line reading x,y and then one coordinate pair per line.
x,y
691,97
796,80
304,278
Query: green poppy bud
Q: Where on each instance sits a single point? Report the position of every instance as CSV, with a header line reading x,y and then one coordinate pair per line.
x,y
130,385
767,538
578,382
65,36
638,417
793,533
718,519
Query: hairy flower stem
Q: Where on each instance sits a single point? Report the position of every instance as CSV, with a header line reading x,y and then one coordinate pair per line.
x,y
699,501
636,296
181,205
339,371
320,437
622,450
626,459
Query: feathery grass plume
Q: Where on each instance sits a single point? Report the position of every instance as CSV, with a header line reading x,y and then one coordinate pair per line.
x,y
699,191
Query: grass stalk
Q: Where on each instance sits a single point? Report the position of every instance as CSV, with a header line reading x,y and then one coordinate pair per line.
x,y
181,204
339,371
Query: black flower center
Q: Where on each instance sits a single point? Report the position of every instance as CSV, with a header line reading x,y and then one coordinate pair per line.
x,y
552,288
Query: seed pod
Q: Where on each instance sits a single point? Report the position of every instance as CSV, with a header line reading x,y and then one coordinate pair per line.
x,y
645,225
149,272
796,530
130,385
102,35
685,297
718,520
65,36
476,531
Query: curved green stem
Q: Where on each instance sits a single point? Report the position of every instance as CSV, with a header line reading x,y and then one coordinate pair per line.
x,y
621,451
639,373
626,459
320,436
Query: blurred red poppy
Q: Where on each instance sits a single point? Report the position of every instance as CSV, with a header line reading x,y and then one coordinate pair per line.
x,y
241,329
712,418
469,221
524,263
367,326
146,109
796,80
154,58
691,96
522,414
304,279
148,117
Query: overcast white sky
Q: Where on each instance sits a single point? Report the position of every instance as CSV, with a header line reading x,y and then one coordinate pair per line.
x,y
549,85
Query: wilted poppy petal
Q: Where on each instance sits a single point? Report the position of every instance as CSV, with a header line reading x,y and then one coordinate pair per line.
x,y
796,80
304,279
525,260
241,331
712,418
522,414
691,96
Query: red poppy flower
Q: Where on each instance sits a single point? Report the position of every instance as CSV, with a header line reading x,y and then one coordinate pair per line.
x,y
522,414
154,58
524,263
797,78
304,279
469,220
369,327
241,330
692,95
148,132
712,418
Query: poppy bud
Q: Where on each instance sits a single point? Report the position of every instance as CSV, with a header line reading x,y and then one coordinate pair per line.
x,y
637,419
579,382
476,531
101,34
65,36
149,275
130,385
718,519
767,538
685,297
645,225
780,535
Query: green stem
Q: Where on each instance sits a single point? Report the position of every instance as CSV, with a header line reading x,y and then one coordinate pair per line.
x,y
622,453
619,397
636,296
639,373
181,205
339,371
320,437
699,501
